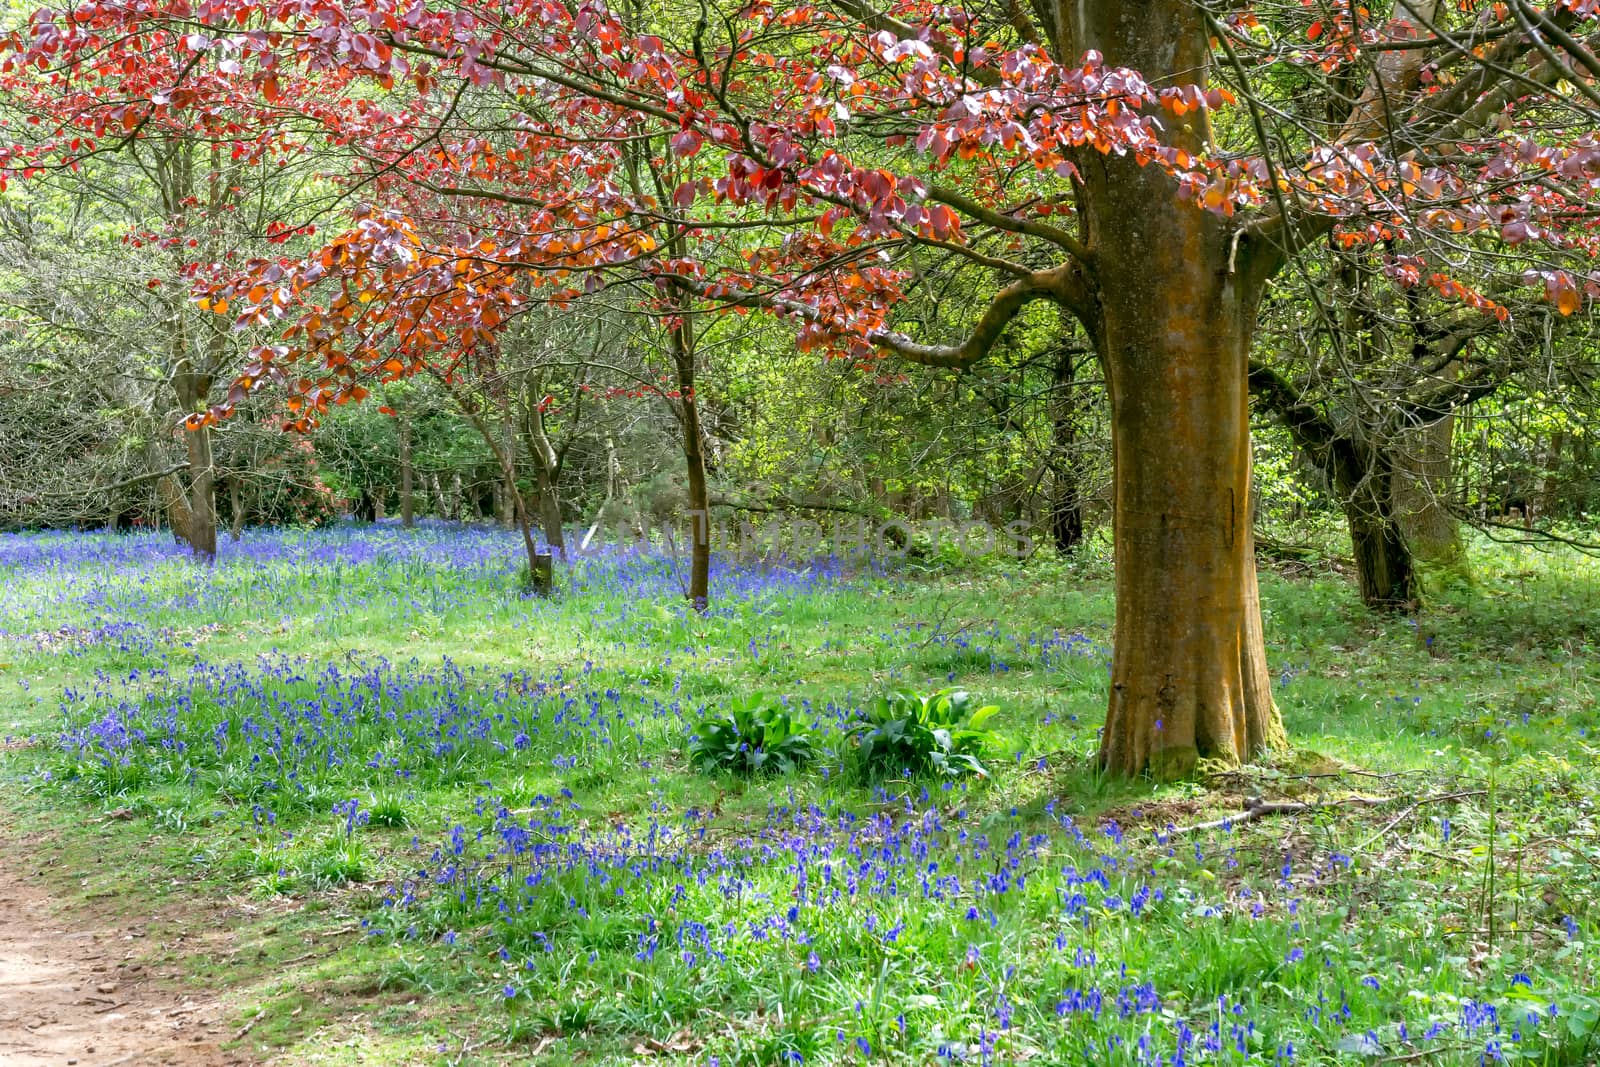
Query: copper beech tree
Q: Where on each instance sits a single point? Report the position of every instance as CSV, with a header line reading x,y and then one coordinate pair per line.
x,y
1132,163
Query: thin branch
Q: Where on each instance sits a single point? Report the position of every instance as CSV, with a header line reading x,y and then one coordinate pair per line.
x,y
1260,809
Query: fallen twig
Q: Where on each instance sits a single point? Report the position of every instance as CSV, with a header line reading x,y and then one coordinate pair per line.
x,y
1260,809
1398,819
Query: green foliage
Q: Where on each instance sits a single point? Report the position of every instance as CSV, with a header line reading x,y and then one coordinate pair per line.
x,y
757,735
943,732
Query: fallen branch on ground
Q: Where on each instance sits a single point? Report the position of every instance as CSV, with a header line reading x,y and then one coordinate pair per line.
x,y
1260,809
1398,819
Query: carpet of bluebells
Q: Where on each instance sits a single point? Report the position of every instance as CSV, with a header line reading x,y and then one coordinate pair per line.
x,y
502,779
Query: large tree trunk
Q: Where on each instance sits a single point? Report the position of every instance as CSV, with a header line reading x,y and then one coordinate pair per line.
x,y
1189,674
1383,565
1176,301
694,460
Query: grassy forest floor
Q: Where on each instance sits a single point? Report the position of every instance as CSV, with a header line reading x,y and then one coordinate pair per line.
x,y
349,798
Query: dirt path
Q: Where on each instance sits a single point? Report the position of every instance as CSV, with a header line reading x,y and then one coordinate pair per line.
x,y
73,989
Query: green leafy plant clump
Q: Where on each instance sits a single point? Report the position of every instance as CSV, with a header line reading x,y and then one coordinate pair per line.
x,y
943,733
757,735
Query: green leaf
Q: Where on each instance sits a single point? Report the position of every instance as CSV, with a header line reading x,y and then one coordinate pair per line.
x,y
982,715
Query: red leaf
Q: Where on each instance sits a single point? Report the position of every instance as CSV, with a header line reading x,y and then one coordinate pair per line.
x,y
686,142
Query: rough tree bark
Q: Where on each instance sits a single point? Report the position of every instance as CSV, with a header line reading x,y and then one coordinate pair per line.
x,y
1175,294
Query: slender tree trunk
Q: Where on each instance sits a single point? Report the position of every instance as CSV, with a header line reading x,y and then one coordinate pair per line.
x,y
539,574
547,466
538,563
1550,491
502,505
1066,503
408,514
519,512
174,502
201,532
1583,475
202,495
174,171
613,470
236,506
436,489
550,510
1383,557
1175,306
505,501
1361,473
683,357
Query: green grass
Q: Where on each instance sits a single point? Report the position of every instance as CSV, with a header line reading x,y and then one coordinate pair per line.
x,y
565,725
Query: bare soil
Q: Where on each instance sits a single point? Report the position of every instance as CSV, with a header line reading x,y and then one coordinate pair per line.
x,y
74,987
